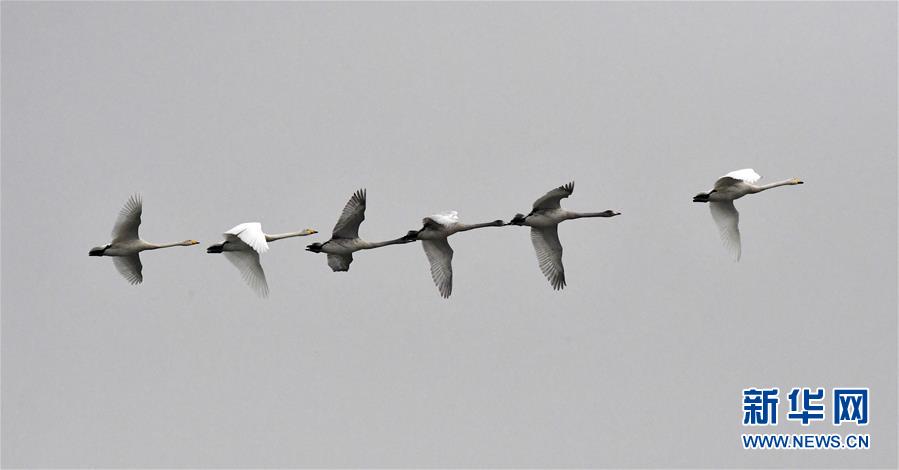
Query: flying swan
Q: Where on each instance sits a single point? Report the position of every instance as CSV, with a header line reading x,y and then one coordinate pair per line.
x,y
544,221
433,236
242,246
345,237
729,187
126,244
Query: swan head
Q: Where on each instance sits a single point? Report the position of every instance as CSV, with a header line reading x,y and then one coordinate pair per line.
x,y
189,243
309,231
609,213
98,250
796,181
498,223
517,220
315,247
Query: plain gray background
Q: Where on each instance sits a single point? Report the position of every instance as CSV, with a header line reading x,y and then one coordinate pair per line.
x,y
227,113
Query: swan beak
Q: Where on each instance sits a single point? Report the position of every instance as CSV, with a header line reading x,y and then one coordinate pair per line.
x,y
194,242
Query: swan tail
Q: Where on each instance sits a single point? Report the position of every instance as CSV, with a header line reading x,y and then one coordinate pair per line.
x,y
215,248
701,197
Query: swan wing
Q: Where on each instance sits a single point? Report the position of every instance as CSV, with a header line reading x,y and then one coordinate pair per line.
x,y
440,256
251,234
125,228
443,218
352,216
247,262
549,254
339,263
746,175
727,219
552,199
130,268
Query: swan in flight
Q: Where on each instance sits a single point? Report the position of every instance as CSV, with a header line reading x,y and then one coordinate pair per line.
x,y
544,221
242,246
345,237
729,187
433,236
126,244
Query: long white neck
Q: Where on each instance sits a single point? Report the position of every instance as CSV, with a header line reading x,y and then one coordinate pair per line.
x,y
369,245
580,215
789,182
154,246
279,236
466,227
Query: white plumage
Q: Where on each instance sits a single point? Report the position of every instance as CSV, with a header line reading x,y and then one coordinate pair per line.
x,y
746,174
445,218
250,233
126,243
721,197
242,246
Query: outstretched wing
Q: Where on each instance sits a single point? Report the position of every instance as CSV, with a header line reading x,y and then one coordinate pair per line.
x,y
552,199
727,218
549,254
352,216
130,268
747,175
440,256
443,218
340,262
247,262
249,233
126,224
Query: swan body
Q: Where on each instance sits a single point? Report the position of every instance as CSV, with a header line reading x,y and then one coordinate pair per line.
x,y
721,197
345,238
544,220
126,243
433,235
242,246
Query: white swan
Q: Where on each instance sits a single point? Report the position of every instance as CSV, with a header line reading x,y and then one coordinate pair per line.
x,y
433,236
126,243
729,187
544,221
345,237
242,246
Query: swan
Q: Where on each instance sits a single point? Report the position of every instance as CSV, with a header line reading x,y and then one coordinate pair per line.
x,y
242,246
729,187
126,244
544,221
433,235
345,237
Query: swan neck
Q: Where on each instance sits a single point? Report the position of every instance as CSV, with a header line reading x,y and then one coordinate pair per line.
x,y
280,236
370,245
763,187
580,215
465,227
154,246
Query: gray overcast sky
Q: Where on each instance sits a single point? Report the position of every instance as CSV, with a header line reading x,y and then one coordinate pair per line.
x,y
226,113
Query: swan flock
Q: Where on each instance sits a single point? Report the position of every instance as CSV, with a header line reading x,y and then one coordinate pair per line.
x,y
244,243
